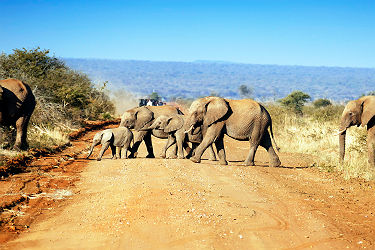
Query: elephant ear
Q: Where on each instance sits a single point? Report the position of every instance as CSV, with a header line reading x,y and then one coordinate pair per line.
x,y
216,108
107,136
174,123
368,109
142,117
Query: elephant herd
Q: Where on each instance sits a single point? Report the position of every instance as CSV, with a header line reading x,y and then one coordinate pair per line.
x,y
208,120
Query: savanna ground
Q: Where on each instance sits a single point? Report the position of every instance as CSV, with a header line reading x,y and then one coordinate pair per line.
x,y
66,201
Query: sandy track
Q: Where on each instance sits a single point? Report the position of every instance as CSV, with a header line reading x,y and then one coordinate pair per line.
x,y
174,204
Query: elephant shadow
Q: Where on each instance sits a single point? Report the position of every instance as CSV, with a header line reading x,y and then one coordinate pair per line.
x,y
239,163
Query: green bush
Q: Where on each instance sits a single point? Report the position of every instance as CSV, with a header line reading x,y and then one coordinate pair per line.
x,y
295,101
61,92
322,102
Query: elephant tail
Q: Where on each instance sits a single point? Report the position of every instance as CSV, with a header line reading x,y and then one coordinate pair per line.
x,y
273,138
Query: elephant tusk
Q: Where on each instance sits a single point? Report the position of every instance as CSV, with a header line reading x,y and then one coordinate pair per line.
x,y
340,132
189,129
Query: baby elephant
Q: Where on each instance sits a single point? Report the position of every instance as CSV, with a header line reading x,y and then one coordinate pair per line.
x,y
120,137
173,126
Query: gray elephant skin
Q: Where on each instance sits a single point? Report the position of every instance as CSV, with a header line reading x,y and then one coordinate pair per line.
x,y
141,118
17,104
174,127
359,112
244,120
116,138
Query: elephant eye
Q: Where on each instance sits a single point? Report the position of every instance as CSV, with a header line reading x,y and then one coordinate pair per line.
x,y
350,113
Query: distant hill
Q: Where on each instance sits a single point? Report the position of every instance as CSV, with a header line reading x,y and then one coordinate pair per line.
x,y
200,78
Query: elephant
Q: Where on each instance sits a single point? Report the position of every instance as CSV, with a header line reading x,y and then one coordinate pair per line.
x,y
242,120
115,138
142,117
359,112
17,103
173,126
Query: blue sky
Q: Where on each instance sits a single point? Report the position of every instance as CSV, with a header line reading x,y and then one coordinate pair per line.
x,y
301,32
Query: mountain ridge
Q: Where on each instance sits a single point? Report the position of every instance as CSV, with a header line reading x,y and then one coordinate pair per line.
x,y
202,77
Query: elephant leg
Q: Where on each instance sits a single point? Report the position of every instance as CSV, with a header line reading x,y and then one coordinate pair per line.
x,y
180,140
137,142
254,139
210,136
113,150
219,143
174,151
118,152
371,145
104,148
267,144
126,152
21,127
148,142
171,141
211,152
192,151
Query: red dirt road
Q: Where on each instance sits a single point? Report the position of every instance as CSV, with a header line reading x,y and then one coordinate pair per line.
x,y
174,204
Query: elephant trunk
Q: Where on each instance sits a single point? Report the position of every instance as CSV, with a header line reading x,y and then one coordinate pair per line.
x,y
91,149
342,137
148,128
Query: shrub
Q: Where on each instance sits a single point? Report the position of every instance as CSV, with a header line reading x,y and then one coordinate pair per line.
x,y
64,96
295,101
53,82
322,102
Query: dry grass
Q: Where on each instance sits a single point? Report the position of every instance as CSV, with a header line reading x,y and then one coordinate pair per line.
x,y
314,134
44,137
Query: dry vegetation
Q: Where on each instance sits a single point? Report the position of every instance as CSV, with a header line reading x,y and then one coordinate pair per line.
x,y
314,133
65,98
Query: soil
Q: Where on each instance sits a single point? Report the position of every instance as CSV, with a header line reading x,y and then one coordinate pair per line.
x,y
67,202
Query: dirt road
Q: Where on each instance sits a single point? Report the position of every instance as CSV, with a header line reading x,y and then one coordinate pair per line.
x,y
173,204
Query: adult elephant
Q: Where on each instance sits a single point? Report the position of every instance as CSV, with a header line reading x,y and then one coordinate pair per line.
x,y
17,104
244,120
359,112
141,118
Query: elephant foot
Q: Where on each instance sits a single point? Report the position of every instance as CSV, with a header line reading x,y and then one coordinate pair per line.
x,y
173,157
150,156
98,159
223,162
181,157
249,163
163,156
276,163
133,155
193,159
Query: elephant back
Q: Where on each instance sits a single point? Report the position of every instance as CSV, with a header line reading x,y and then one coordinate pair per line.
x,y
166,110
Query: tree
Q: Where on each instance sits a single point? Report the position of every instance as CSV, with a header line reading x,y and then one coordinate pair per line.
x,y
155,96
322,102
55,84
370,93
295,101
245,91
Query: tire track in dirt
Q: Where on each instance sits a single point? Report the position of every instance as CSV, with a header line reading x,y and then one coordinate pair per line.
x,y
160,203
